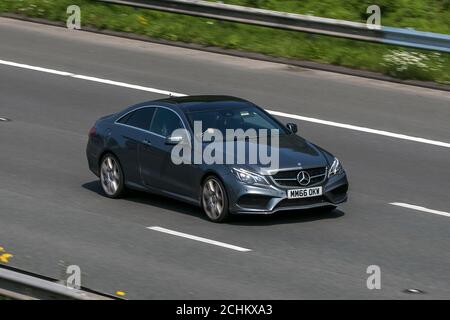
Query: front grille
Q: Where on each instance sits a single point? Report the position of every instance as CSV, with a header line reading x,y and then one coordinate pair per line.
x,y
288,178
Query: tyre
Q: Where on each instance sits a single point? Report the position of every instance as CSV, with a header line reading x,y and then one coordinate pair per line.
x,y
214,199
111,177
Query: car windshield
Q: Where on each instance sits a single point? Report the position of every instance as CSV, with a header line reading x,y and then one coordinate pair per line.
x,y
248,117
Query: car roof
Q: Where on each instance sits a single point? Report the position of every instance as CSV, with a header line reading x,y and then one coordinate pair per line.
x,y
198,103
189,104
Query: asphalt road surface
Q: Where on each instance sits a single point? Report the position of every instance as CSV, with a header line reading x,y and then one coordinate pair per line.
x,y
52,212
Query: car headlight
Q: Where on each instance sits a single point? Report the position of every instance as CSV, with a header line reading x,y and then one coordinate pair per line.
x,y
248,177
336,168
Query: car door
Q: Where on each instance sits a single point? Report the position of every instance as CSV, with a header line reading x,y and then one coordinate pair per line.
x,y
132,131
157,168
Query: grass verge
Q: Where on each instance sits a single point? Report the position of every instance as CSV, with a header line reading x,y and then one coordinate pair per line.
x,y
394,61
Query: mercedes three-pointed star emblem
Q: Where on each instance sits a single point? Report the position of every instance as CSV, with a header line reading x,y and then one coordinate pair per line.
x,y
303,178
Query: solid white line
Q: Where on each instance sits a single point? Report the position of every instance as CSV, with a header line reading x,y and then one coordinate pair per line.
x,y
363,129
188,236
276,113
130,86
93,79
413,207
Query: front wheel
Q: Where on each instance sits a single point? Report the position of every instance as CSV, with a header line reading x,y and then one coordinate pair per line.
x,y
111,177
215,200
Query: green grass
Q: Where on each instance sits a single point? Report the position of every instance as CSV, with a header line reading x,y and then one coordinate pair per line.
x,y
280,43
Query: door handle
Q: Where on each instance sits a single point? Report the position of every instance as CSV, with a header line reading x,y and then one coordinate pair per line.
x,y
147,142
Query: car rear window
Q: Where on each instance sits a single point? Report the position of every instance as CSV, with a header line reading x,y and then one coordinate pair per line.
x,y
140,118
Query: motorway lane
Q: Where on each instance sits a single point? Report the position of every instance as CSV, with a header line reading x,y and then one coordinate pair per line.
x,y
50,209
345,99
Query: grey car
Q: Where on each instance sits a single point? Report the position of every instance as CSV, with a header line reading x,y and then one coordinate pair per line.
x,y
133,149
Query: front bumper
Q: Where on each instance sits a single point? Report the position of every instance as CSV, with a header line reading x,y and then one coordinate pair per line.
x,y
246,199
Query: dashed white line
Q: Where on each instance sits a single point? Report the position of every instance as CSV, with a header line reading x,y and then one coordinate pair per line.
x,y
205,240
276,113
419,208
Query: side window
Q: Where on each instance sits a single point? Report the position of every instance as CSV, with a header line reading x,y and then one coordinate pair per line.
x,y
165,122
140,118
125,118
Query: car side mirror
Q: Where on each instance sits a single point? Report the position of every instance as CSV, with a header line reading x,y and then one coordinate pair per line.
x,y
292,127
173,140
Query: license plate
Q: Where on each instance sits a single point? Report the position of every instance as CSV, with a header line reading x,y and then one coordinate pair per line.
x,y
304,193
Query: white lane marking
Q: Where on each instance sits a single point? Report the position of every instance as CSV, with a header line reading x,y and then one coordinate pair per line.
x,y
93,79
205,240
363,129
419,208
277,113
130,86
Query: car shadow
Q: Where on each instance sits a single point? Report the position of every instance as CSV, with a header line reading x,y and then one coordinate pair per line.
x,y
283,217
152,200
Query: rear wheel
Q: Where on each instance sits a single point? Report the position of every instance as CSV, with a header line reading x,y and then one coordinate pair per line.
x,y
111,176
215,200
